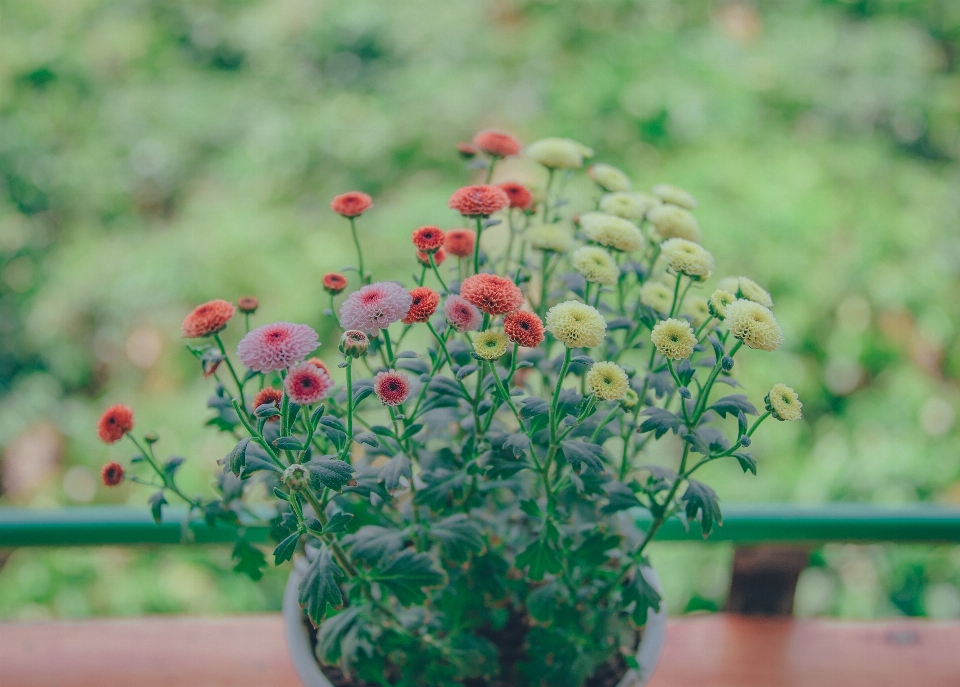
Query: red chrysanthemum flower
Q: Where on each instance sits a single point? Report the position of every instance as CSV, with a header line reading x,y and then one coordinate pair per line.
x,y
460,242
493,294
207,319
428,239
111,474
306,383
520,196
351,204
276,346
319,363
334,282
438,257
478,201
268,395
497,143
391,387
523,328
467,151
114,423
425,302
248,304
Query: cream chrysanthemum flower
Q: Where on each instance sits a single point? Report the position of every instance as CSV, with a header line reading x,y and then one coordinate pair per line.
x,y
674,338
611,231
558,153
596,265
626,204
608,177
658,296
783,403
550,237
719,300
674,195
490,345
754,325
744,287
576,324
673,222
687,257
608,381
697,308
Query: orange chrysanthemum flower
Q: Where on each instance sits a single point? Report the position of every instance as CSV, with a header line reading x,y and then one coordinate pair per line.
x,y
334,282
493,294
425,302
114,423
460,242
428,239
497,143
520,196
352,204
111,474
523,328
478,201
248,304
207,319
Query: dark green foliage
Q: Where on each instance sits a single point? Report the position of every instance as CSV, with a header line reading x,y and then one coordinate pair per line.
x,y
320,587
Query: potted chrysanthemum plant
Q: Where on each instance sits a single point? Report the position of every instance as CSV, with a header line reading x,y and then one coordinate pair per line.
x,y
461,502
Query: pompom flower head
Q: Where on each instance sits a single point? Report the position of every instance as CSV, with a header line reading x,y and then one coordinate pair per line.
x,y
674,338
687,257
754,325
491,293
247,304
114,423
460,242
276,346
375,307
496,143
658,296
576,324
520,196
490,345
461,314
306,383
675,196
550,238
596,265
608,381
611,231
719,300
559,153
523,328
672,222
391,387
478,201
428,239
334,282
268,396
352,204
626,204
423,304
207,319
743,287
467,151
111,474
783,403
608,177
354,344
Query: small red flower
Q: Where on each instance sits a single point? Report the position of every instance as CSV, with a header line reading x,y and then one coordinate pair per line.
x,y
478,201
520,196
438,257
334,282
391,387
248,304
460,242
425,302
496,143
114,423
467,151
523,328
493,294
111,474
316,362
351,204
207,319
306,383
268,395
428,239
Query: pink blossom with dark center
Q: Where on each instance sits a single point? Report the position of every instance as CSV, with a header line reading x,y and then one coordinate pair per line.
x,y
276,346
461,314
375,307
306,383
391,387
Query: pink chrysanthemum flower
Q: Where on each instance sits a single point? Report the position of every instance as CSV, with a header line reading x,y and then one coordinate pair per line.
x,y
391,387
351,204
276,346
496,143
207,319
491,293
375,307
520,196
478,201
306,383
459,242
461,314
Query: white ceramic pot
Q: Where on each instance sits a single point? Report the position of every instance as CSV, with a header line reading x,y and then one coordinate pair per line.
x,y
304,662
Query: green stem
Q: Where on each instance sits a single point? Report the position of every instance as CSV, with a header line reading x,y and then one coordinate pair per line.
x,y
233,373
493,163
433,265
476,247
331,541
676,292
503,392
389,346
349,443
356,242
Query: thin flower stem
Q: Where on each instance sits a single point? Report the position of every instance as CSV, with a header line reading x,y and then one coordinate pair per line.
x,y
356,242
552,451
506,255
257,436
476,246
506,396
493,163
701,406
233,373
386,342
168,481
676,292
342,558
702,327
345,453
433,265
603,423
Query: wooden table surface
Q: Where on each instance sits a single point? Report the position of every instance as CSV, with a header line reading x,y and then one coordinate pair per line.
x,y
703,651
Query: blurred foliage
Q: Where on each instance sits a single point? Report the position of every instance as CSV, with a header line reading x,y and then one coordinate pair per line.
x,y
156,154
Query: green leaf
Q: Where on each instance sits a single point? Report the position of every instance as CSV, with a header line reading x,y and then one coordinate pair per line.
x,y
338,523
281,494
332,423
249,560
533,406
407,575
466,371
171,466
235,459
577,452
741,424
443,486
288,444
331,633
516,444
361,394
157,501
696,442
621,497
393,470
411,430
542,558
255,459
592,551
699,498
382,431
747,462
368,438
331,473
660,422
266,410
733,405
642,593
459,536
286,548
371,543
316,415
531,508
320,587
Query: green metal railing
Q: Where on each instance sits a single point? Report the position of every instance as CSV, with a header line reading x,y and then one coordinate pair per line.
x,y
742,524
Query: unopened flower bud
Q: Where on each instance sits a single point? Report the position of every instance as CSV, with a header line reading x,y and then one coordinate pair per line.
x,y
248,304
296,477
745,441
354,344
726,363
685,392
151,437
630,400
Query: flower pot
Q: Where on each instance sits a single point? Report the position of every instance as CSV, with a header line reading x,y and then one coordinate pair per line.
x,y
305,663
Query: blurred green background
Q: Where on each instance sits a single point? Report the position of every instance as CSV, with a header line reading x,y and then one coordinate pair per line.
x,y
157,154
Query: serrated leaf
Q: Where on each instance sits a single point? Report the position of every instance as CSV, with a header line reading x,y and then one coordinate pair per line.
x,y
407,575
747,462
171,466
577,452
393,470
531,508
533,406
371,542
256,459
660,421
442,487
733,405
285,549
621,497
516,444
641,593
368,438
249,560
331,473
699,498
157,501
332,632
320,587
697,444
235,459
459,536
541,557
338,522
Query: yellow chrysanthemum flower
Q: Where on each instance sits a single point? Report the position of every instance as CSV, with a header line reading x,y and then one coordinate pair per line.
x,y
609,178
784,403
558,153
687,257
658,296
674,338
576,324
596,265
550,237
747,288
698,308
674,195
608,381
754,325
626,204
719,301
673,222
490,345
611,231
630,399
